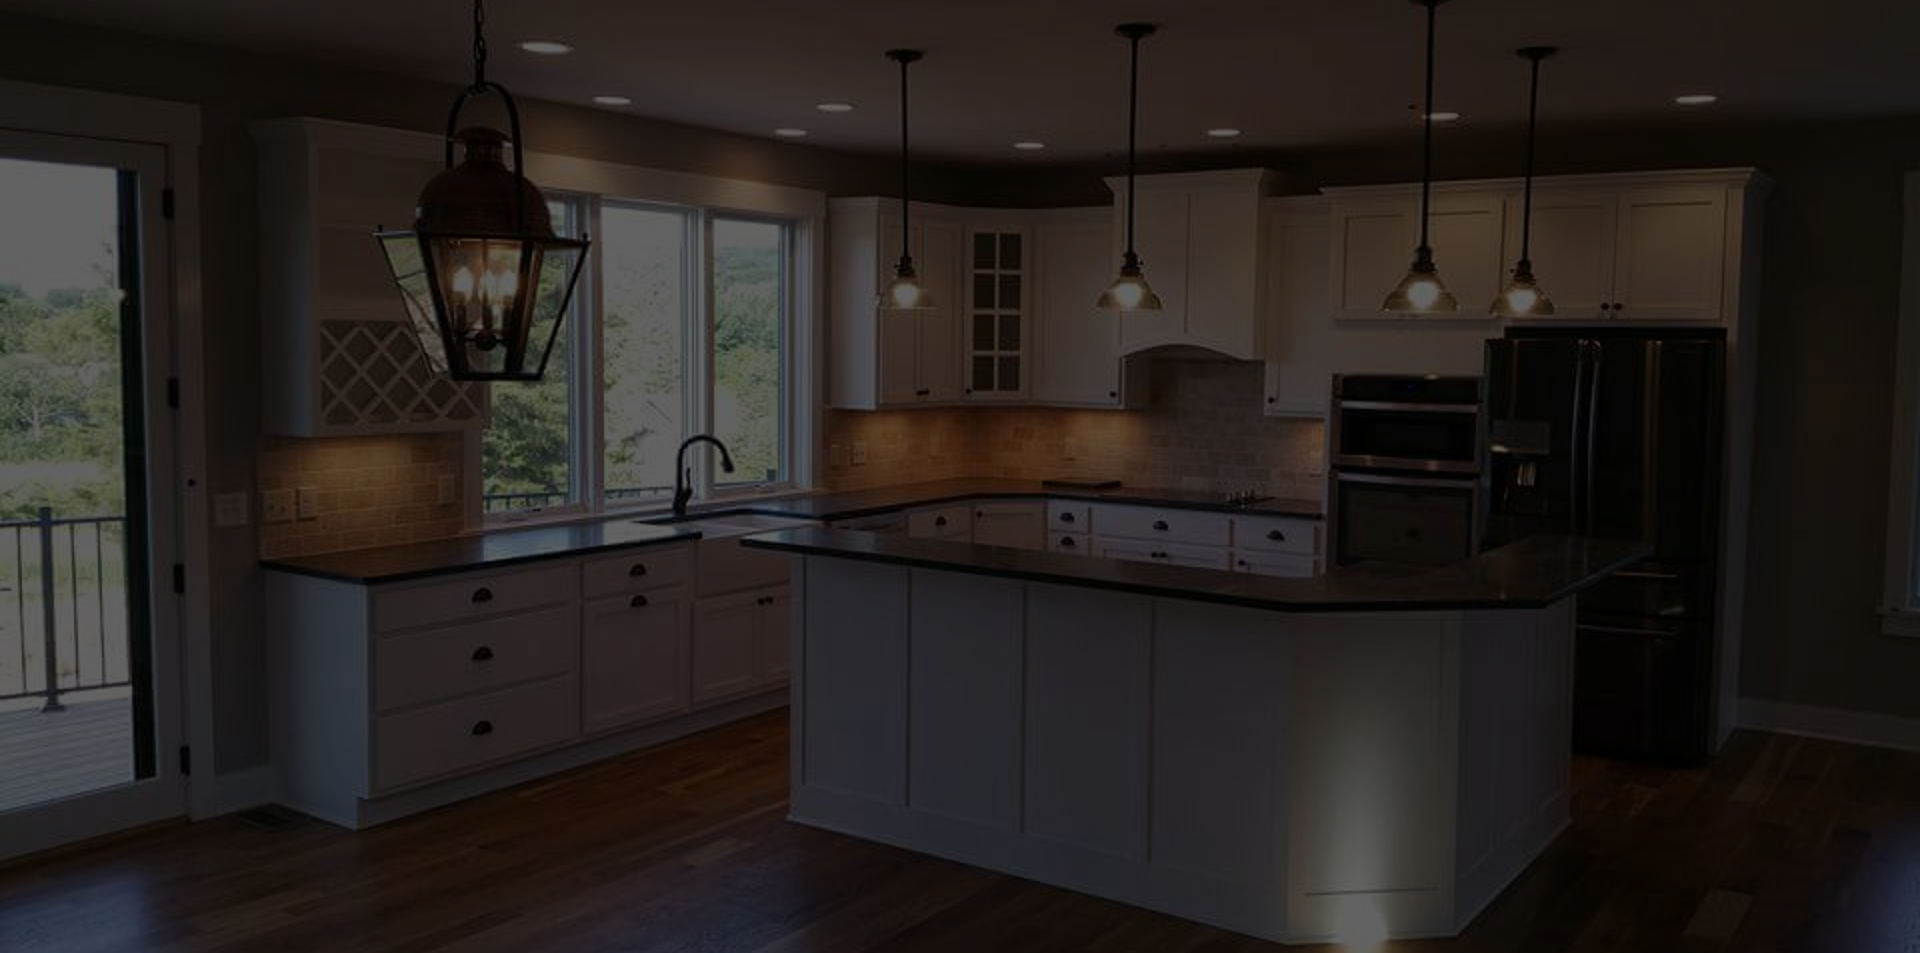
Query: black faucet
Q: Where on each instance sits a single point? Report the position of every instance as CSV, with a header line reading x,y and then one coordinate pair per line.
x,y
683,476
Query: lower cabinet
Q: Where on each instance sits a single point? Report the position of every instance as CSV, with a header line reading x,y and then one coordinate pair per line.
x,y
739,642
633,658
1019,525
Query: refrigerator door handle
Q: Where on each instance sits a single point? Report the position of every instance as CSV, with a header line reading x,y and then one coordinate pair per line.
x,y
1593,423
1574,471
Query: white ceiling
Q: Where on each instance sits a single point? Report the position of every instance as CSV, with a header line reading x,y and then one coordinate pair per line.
x,y
1290,73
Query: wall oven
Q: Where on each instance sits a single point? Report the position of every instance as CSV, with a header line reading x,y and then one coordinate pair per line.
x,y
1406,456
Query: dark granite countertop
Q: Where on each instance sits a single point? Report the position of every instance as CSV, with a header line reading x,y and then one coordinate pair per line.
x,y
1529,574
851,504
479,551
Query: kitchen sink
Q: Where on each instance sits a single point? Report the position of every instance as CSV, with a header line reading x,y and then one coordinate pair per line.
x,y
727,525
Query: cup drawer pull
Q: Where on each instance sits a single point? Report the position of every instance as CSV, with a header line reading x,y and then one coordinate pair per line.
x,y
482,595
1276,536
638,570
637,602
482,727
483,654
1160,525
1066,517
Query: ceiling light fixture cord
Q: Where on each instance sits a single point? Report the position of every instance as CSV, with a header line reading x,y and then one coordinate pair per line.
x,y
479,46
906,237
481,85
1133,127
1425,252
1536,54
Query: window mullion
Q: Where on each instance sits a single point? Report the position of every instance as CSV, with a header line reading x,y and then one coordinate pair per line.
x,y
589,393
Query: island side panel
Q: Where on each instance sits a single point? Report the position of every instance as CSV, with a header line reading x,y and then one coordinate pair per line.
x,y
854,649
1516,706
964,699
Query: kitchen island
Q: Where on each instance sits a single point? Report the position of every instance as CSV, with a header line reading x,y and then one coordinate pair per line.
x,y
1363,754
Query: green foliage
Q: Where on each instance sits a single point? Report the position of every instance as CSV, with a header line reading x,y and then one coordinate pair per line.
x,y
60,402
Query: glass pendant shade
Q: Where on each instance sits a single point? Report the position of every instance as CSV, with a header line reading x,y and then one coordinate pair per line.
x,y
905,292
1522,297
1421,292
1130,291
485,279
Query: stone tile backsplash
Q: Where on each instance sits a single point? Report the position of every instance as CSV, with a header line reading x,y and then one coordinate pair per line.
x,y
371,491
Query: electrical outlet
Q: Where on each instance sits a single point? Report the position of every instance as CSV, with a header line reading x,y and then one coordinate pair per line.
x,y
444,489
859,453
307,502
276,506
837,455
229,510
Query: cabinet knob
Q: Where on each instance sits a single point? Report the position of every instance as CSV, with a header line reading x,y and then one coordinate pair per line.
x,y
922,393
1617,306
1066,542
939,521
483,654
1270,400
1606,306
637,570
637,602
483,594
1276,536
1160,525
1157,555
1113,395
482,727
1066,517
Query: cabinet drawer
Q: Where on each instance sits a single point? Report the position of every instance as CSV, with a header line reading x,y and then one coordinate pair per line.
x,y
727,566
1276,534
1275,564
470,732
1074,543
473,596
433,664
1066,516
640,569
1197,557
1173,526
941,522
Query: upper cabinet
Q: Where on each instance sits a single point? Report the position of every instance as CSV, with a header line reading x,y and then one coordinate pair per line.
x,y
1653,252
1077,345
339,355
999,315
1374,232
883,357
1201,237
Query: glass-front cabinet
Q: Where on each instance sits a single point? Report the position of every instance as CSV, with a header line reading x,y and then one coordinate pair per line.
x,y
997,314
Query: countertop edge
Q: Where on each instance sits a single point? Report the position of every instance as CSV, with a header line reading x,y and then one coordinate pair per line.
x,y
1078,496
454,569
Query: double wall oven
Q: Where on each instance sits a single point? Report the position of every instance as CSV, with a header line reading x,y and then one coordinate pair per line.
x,y
1406,456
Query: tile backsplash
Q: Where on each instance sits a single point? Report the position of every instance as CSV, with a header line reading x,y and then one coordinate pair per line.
x,y
370,491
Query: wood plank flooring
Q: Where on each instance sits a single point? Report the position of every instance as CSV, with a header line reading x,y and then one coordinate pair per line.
x,y
1783,845
48,755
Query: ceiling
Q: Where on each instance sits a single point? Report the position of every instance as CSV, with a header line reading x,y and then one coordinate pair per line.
x,y
1289,73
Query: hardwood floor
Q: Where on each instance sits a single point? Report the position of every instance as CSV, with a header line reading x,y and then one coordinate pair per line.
x,y
1783,845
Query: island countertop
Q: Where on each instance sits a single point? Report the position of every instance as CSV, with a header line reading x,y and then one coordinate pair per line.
x,y
852,504
1529,574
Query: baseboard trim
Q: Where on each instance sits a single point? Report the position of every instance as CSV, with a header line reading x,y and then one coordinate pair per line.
x,y
234,791
1832,724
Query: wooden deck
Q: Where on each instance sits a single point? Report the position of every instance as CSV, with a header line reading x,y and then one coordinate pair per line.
x,y
44,756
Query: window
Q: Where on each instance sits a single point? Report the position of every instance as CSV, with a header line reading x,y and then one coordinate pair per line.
x,y
682,325
1901,607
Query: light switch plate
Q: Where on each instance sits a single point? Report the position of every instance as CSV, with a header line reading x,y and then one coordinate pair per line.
x,y
307,499
229,510
276,506
859,453
837,455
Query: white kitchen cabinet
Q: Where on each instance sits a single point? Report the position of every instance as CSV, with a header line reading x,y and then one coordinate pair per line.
x,y
1374,234
773,633
1166,554
732,636
1299,316
634,658
1073,544
881,357
998,316
1021,525
1670,260
1572,248
1275,564
1201,237
340,356
1076,360
948,521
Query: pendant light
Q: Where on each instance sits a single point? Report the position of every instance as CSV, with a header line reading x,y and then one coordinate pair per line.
x,y
1130,291
1421,291
1522,297
905,292
486,281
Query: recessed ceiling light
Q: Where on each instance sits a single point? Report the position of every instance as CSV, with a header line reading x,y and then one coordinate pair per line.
x,y
1443,116
1029,145
1696,99
835,107
788,132
546,47
1223,132
613,100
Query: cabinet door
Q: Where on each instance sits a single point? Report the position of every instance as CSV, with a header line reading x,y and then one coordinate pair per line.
x,y
633,658
1299,318
725,648
1225,240
1020,525
1372,244
1160,236
1671,254
1468,237
997,315
1573,243
938,355
772,631
898,345
1077,358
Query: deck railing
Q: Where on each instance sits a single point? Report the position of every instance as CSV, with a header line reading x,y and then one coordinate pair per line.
x,y
507,502
63,606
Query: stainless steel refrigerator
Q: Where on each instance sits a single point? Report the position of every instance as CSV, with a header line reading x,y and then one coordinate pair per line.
x,y
1618,432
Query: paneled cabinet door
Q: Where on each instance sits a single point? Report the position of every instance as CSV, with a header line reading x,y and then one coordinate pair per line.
x,y
1224,277
1373,243
1160,236
725,645
939,344
1572,248
1078,360
772,633
633,658
1671,257
1019,525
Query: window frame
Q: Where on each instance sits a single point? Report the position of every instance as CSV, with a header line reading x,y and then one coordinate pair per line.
x,y
801,216
1900,609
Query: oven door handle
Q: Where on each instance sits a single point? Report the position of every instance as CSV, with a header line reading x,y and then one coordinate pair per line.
x,y
1405,407
1384,479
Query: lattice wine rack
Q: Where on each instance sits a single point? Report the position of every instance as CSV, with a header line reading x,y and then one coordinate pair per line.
x,y
374,378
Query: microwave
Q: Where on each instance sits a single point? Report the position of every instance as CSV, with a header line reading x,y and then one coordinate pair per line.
x,y
1429,424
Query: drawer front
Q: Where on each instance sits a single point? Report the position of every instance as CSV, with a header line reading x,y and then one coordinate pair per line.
x,y
434,664
727,566
1276,534
641,569
1192,527
1075,543
1197,557
471,732
1275,564
941,522
1066,516
475,595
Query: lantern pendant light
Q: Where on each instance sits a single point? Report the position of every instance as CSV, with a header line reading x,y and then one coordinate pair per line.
x,y
485,279
1130,291
1522,297
905,292
1422,291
